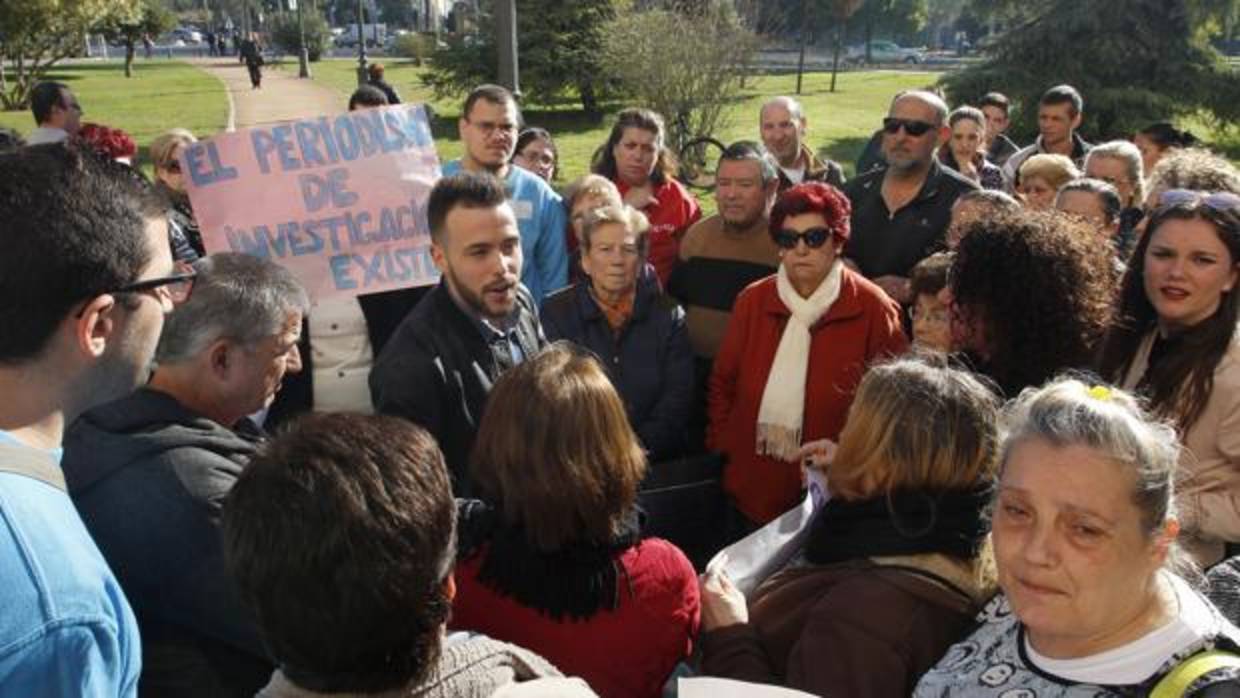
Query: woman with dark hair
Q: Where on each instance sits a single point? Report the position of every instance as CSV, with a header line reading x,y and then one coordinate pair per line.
x,y
553,560
895,565
1156,139
1031,296
535,151
635,158
619,313
796,346
966,151
1175,341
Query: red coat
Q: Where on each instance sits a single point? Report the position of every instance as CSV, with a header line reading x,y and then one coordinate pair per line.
x,y
625,653
862,325
672,214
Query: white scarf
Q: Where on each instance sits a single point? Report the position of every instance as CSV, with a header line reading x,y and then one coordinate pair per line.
x,y
783,399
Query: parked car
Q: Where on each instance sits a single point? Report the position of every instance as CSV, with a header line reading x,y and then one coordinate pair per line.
x,y
187,35
882,51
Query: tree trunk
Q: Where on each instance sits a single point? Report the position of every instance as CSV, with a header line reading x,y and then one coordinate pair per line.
x,y
839,41
805,17
129,51
589,100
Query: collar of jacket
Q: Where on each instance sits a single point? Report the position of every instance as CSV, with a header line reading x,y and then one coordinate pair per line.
x,y
846,306
468,328
813,166
647,292
1079,147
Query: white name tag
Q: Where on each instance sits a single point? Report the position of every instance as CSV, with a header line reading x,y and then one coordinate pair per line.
x,y
524,210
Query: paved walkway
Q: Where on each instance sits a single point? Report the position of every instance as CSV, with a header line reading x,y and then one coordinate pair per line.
x,y
282,97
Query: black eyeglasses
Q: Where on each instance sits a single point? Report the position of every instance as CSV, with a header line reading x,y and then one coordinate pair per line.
x,y
177,286
913,127
814,238
1222,201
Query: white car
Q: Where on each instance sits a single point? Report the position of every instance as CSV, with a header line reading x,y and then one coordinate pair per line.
x,y
886,52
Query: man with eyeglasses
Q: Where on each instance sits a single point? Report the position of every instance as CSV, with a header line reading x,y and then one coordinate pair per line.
x,y
149,472
56,112
901,213
488,126
84,286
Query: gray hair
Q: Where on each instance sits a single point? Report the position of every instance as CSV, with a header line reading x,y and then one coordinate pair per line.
x,y
633,220
753,151
236,296
793,106
1107,194
1109,421
993,198
1127,153
1197,169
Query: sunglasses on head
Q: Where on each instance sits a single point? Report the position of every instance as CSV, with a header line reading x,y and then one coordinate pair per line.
x,y
913,127
814,238
1222,201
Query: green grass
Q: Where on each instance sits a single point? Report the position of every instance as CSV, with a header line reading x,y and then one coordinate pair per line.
x,y
161,95
839,123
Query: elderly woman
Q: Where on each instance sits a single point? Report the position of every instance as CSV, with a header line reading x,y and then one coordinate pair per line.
x,y
620,314
183,229
536,152
1031,296
1084,539
896,565
581,196
1041,176
1175,341
795,348
555,561
966,151
635,159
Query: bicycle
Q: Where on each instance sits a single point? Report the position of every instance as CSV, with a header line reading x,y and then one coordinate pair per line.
x,y
698,155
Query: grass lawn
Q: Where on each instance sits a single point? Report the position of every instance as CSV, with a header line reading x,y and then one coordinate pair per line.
x,y
161,95
839,123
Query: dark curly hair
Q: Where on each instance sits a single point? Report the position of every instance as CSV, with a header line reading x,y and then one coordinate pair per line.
x,y
1179,385
814,197
1041,289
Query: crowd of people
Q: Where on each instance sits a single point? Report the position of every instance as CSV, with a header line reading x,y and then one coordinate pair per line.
x,y
1016,369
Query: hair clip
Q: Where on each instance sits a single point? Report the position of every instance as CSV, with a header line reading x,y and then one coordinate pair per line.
x,y
1099,392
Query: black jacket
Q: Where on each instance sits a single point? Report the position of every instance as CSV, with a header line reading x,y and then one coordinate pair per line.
x,y
437,370
149,478
650,362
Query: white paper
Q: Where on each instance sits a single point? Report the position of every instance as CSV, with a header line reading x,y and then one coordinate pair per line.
x,y
749,561
727,688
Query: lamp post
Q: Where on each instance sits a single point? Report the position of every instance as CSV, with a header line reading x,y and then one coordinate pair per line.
x,y
303,56
362,78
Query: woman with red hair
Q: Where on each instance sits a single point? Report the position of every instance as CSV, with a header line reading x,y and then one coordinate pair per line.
x,y
793,354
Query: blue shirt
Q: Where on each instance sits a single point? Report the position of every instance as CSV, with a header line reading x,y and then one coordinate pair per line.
x,y
65,626
542,223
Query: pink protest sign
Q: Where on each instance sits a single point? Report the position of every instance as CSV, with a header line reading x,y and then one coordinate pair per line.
x,y
339,200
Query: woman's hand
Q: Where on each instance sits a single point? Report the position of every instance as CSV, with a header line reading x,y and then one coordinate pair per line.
x,y
640,197
723,605
818,454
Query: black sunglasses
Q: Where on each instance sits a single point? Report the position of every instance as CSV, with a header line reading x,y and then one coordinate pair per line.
x,y
178,285
912,127
814,238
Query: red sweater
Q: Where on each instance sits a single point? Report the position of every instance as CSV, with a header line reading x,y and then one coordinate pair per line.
x,y
625,653
862,325
672,214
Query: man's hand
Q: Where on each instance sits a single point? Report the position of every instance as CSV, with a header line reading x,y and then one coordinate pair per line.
x,y
895,286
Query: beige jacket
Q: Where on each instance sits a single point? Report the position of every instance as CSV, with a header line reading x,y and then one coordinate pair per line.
x,y
1208,484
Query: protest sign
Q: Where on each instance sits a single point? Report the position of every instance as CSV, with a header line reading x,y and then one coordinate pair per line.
x,y
339,200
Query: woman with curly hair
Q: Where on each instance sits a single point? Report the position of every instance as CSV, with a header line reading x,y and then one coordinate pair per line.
x,y
795,349
1031,296
1175,341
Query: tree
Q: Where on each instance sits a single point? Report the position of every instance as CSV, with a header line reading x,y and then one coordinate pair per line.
x,y
286,33
689,80
37,34
561,48
900,20
151,19
1134,61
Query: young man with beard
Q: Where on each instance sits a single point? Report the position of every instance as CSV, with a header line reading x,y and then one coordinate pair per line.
x,y
477,323
84,286
488,127
900,214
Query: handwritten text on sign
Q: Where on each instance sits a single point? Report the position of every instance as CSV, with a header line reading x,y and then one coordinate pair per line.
x,y
339,200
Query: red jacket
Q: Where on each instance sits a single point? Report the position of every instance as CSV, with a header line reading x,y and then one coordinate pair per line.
x,y
862,325
625,653
672,214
